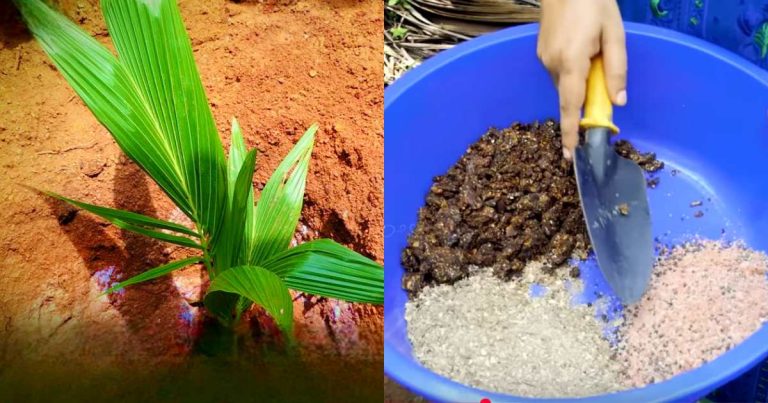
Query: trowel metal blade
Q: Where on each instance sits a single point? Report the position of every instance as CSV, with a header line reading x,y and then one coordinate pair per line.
x,y
615,205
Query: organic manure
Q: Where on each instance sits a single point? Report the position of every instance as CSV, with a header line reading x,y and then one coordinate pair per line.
x,y
509,200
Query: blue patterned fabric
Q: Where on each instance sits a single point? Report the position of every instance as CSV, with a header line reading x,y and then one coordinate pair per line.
x,y
738,25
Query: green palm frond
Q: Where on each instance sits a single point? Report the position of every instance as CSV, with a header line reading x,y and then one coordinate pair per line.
x,y
152,101
260,286
323,267
111,93
155,273
227,251
127,217
138,223
237,152
279,207
154,47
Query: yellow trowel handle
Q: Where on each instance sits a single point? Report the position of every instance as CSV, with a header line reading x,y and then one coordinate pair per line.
x,y
598,109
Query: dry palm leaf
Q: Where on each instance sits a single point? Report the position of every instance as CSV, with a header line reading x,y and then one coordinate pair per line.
x,y
417,29
496,11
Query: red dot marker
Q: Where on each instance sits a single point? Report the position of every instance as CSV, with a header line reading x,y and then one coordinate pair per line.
x,y
485,400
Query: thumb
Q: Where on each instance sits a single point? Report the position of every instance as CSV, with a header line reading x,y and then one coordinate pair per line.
x,y
614,51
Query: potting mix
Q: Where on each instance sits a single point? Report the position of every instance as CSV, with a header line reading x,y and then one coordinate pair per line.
x,y
494,299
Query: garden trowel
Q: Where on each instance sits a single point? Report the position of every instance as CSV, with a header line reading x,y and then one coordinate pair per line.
x,y
613,197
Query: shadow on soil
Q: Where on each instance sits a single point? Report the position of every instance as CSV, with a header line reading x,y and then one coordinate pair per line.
x,y
258,368
147,308
12,29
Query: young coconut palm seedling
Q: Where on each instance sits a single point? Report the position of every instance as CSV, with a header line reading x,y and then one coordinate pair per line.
x,y
151,100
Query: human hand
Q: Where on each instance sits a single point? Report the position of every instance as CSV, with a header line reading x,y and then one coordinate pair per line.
x,y
571,33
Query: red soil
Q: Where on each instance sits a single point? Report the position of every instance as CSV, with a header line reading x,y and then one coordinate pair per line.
x,y
276,66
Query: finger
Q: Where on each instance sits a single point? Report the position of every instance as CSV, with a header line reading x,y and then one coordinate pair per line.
x,y
555,78
553,74
614,50
551,64
549,59
572,87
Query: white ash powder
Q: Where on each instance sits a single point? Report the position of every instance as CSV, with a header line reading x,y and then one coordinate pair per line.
x,y
704,298
492,335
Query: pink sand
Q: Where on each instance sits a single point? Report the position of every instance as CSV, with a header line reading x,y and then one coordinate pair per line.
x,y
704,299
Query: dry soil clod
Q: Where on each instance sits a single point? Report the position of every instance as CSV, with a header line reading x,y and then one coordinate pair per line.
x,y
647,161
623,209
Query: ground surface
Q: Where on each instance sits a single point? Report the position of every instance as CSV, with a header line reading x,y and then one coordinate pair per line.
x,y
276,66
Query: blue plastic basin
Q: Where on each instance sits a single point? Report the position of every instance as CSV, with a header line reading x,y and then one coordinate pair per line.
x,y
702,109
